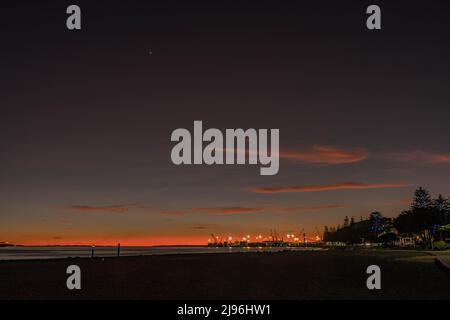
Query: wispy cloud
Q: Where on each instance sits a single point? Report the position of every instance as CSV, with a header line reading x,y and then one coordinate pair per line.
x,y
118,208
329,187
219,211
320,155
228,210
214,211
203,226
325,155
294,209
419,156
175,212
442,158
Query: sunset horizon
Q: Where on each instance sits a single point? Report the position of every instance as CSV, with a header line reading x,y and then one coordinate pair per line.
x,y
235,158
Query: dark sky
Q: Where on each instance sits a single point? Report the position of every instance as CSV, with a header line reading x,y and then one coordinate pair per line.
x,y
86,116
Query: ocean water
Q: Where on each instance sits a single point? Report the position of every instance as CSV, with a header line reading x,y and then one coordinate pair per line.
x,y
61,252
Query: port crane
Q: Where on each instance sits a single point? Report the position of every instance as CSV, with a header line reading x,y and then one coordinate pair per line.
x,y
303,234
215,239
272,235
318,234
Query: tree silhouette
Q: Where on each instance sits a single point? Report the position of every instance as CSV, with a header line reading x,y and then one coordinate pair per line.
x,y
376,226
352,221
421,219
442,207
427,218
346,221
441,211
422,199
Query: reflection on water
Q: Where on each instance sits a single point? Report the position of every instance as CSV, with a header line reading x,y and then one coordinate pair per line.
x,y
21,253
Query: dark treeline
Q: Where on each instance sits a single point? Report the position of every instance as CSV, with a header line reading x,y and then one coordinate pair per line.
x,y
426,221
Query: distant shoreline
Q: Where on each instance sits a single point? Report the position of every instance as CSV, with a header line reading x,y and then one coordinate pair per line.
x,y
86,252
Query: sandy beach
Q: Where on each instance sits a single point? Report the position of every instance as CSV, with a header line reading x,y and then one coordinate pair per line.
x,y
285,275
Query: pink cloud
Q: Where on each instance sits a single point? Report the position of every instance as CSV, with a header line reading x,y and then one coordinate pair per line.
x,y
419,156
318,188
119,208
325,155
251,210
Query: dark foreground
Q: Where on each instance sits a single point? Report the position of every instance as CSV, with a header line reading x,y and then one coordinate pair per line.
x,y
287,275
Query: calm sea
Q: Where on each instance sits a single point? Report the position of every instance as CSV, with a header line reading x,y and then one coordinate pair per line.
x,y
22,253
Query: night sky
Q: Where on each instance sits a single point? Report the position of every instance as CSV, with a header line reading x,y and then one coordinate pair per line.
x,y
86,116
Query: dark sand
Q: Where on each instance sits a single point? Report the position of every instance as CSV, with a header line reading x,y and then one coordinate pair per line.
x,y
287,275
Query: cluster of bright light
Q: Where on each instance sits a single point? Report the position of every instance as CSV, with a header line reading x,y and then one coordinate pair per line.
x,y
247,238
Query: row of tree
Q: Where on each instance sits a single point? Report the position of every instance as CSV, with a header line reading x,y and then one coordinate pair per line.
x,y
425,219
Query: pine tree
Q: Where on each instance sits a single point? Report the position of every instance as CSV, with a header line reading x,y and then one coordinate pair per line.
x,y
422,199
375,223
424,215
346,223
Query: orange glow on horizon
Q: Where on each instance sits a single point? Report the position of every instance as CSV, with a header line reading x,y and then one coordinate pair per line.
x,y
132,242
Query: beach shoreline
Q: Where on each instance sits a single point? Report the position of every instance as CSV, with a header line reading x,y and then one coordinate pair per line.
x,y
71,252
279,276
